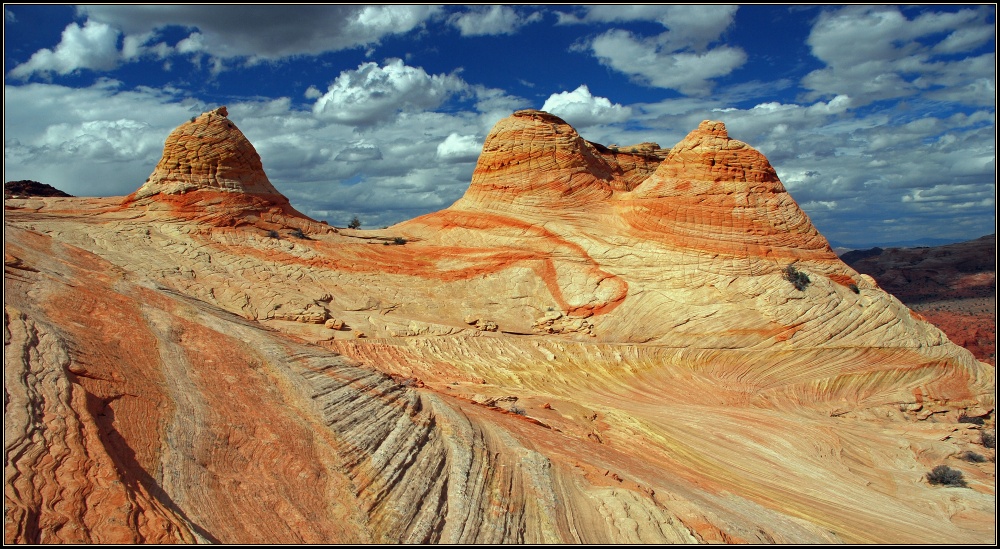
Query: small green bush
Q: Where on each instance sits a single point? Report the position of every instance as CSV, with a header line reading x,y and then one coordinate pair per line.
x,y
798,278
515,409
944,475
854,288
355,223
297,233
273,233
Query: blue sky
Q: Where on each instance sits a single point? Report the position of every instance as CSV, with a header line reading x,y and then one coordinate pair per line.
x,y
880,120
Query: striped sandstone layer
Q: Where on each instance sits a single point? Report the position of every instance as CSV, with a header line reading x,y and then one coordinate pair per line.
x,y
558,357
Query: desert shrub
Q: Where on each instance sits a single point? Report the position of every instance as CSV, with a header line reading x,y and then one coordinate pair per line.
x,y
399,241
798,278
193,118
972,420
942,474
972,456
297,233
854,288
515,409
273,233
355,223
989,439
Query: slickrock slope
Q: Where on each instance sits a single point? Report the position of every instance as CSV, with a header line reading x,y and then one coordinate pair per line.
x,y
590,346
952,286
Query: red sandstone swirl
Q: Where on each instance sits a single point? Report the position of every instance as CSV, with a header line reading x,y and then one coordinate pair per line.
x,y
158,389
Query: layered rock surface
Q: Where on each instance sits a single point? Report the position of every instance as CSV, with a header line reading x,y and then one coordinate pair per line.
x,y
953,286
209,153
650,377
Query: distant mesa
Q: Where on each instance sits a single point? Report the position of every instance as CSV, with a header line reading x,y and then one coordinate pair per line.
x,y
27,187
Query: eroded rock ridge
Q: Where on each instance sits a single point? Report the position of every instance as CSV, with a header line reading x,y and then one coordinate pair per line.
x,y
594,345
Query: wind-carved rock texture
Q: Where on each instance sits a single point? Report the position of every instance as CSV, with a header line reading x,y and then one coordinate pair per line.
x,y
594,345
209,152
953,286
211,173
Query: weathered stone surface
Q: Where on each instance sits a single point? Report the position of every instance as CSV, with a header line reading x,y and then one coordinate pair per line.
x,y
687,392
209,152
952,286
334,324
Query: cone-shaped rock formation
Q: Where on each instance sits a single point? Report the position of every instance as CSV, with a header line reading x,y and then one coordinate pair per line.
x,y
210,172
593,345
718,195
209,153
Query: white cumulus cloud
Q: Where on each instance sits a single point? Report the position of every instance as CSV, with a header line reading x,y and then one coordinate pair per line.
x,y
92,46
581,109
690,26
682,58
372,93
874,53
659,62
459,148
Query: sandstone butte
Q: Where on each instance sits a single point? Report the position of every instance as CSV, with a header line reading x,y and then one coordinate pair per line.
x,y
593,345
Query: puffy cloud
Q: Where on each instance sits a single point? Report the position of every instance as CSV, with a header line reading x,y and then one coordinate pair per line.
x,y
372,94
491,20
262,33
50,131
877,53
690,26
658,62
93,46
581,109
312,92
459,148
680,58
135,46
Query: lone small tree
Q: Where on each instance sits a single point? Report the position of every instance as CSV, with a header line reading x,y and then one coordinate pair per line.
x,y
798,278
355,223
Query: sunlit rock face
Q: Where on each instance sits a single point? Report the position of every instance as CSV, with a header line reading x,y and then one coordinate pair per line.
x,y
953,286
208,153
594,345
